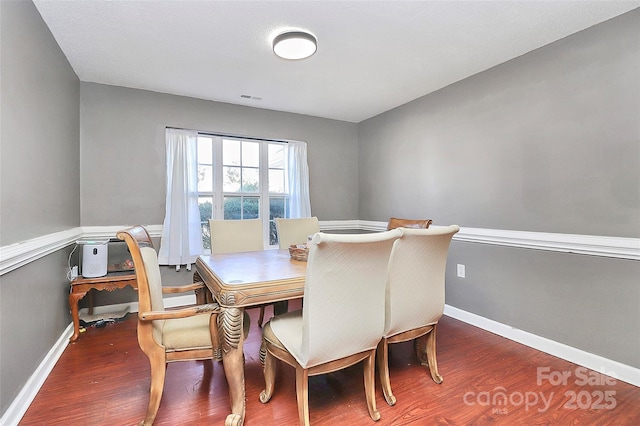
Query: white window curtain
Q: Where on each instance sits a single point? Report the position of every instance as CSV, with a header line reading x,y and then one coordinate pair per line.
x,y
181,234
299,200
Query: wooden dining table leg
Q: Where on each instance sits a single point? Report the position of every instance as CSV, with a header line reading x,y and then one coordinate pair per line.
x,y
230,328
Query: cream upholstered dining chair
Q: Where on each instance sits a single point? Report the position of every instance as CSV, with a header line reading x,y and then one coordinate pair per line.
x,y
292,231
235,236
183,334
295,231
342,316
395,222
415,297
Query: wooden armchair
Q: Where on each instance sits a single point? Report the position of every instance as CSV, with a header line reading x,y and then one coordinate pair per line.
x,y
184,334
395,222
415,297
342,318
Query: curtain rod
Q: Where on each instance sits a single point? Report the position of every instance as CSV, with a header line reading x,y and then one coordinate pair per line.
x,y
228,135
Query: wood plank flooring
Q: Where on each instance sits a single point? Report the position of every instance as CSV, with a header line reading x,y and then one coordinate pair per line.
x,y
103,379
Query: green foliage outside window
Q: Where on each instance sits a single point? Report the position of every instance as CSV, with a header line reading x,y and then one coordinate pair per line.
x,y
242,208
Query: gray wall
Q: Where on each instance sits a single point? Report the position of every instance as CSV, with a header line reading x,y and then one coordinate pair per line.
x,y
547,142
587,302
122,165
123,151
39,187
39,167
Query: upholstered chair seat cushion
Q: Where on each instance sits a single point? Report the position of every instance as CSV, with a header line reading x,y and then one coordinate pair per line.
x,y
289,325
186,333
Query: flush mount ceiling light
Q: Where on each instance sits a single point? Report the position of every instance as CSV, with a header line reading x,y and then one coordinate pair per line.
x,y
294,45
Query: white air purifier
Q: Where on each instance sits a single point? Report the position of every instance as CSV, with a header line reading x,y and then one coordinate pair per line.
x,y
94,259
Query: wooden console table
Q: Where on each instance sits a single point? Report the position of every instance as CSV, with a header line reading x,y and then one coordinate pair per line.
x,y
81,285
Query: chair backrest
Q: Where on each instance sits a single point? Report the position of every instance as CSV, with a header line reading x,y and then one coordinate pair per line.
x,y
233,236
149,280
295,231
343,304
395,222
415,286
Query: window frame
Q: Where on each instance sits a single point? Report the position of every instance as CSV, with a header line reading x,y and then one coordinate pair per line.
x,y
217,194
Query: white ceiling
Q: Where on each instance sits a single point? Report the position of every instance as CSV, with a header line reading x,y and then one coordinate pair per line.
x,y
372,55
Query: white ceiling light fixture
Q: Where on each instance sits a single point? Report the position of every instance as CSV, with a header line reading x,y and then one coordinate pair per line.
x,y
295,45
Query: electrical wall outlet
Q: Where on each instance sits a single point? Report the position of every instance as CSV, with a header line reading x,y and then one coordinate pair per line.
x,y
461,270
74,272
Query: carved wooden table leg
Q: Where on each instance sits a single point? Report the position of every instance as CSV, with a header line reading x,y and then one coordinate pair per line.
x,y
230,325
73,304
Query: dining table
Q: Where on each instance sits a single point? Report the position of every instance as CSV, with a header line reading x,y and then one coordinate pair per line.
x,y
243,280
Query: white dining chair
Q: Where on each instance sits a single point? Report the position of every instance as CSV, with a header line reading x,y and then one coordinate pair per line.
x,y
415,297
342,318
236,236
295,231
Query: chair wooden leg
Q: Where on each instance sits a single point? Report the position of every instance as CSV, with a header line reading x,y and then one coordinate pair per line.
x,y
302,394
281,307
383,368
215,337
420,346
278,308
201,296
369,385
269,376
426,350
431,356
158,373
263,353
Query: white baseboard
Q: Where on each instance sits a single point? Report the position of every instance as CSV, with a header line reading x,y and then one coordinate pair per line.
x,y
19,406
591,361
22,402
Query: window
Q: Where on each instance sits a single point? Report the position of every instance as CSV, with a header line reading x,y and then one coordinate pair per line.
x,y
242,179
213,176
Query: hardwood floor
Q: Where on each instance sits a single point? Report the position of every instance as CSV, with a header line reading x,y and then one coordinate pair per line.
x,y
103,379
